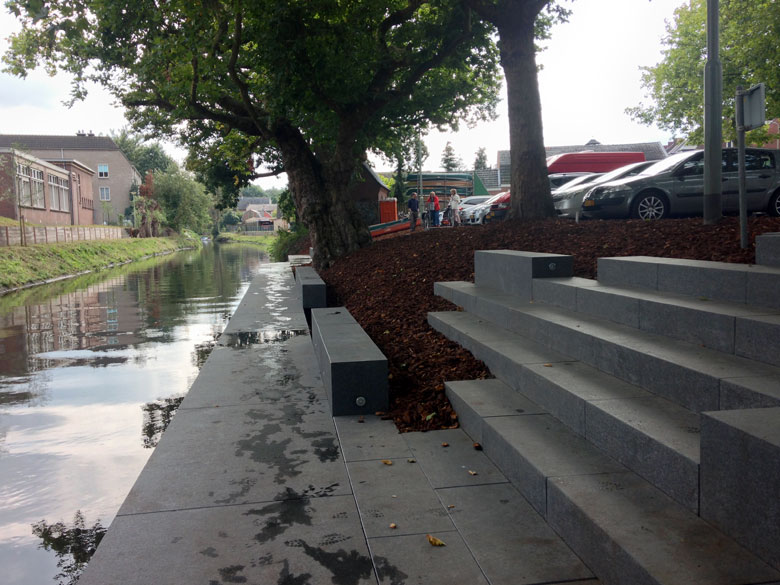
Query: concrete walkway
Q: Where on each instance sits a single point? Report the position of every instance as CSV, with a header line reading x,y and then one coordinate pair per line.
x,y
254,482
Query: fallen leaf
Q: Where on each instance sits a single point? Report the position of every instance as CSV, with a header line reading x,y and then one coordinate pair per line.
x,y
548,365
393,526
435,541
411,460
387,462
477,447
445,444
451,506
472,472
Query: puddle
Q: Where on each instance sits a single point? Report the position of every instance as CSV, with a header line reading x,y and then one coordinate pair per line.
x,y
247,338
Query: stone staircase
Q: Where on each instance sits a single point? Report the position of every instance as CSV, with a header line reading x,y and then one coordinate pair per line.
x,y
638,414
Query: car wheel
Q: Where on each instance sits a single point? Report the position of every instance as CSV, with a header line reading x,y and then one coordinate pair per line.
x,y
774,204
649,206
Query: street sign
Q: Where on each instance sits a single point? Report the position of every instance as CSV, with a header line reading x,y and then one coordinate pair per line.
x,y
754,107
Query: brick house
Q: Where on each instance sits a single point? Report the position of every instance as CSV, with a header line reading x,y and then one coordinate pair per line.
x,y
43,192
113,181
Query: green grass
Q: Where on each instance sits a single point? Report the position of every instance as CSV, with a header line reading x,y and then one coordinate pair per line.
x,y
265,241
23,265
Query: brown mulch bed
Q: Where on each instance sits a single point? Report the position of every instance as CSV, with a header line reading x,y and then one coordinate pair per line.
x,y
388,288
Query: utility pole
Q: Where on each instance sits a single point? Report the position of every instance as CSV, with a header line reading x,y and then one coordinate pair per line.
x,y
713,116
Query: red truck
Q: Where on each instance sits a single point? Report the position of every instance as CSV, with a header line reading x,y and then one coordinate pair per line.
x,y
591,162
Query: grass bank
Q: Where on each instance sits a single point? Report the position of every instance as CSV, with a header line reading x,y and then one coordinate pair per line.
x,y
264,241
25,265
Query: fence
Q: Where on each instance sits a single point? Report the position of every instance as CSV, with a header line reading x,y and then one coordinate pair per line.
x,y
11,236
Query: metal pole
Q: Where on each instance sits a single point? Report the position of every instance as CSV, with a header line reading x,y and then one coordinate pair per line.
x,y
713,114
740,115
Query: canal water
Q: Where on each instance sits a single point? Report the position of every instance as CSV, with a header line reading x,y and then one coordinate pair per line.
x,y
91,371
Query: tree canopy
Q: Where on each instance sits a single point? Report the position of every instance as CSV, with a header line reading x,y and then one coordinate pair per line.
x,y
750,54
302,87
449,160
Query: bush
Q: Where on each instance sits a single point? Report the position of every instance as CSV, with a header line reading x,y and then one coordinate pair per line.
x,y
288,242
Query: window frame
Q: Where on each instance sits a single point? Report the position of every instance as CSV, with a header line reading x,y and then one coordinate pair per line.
x,y
101,173
108,193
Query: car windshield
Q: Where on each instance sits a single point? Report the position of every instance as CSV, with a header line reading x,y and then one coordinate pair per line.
x,y
474,200
621,172
574,183
667,163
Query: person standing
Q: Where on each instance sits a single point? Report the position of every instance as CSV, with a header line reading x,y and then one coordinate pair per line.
x,y
433,208
454,208
414,208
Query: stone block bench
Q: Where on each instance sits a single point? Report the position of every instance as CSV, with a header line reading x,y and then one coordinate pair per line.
x,y
768,249
354,371
311,290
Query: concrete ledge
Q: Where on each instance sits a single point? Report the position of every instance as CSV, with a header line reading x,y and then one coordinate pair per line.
x,y
311,287
353,369
740,477
513,272
722,281
768,249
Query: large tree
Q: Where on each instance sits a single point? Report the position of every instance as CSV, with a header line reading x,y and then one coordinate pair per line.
x,y
750,53
519,24
308,85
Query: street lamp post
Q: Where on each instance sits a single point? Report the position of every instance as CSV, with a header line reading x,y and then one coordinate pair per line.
x,y
713,114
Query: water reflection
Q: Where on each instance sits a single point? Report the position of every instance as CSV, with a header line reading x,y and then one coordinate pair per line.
x,y
157,417
245,339
84,364
73,545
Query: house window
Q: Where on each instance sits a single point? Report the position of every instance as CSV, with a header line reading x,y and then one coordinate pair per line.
x,y
105,193
102,171
23,184
54,192
37,188
64,195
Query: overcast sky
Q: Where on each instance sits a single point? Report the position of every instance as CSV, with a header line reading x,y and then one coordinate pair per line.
x,y
590,76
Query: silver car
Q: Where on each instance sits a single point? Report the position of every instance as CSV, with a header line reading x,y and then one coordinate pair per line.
x,y
475,215
468,202
675,186
568,199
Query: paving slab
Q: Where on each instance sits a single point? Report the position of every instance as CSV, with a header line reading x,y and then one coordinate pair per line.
x,y
448,459
233,455
518,533
410,559
365,438
305,540
396,494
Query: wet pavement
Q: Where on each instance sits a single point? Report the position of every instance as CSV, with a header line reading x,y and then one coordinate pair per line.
x,y
255,482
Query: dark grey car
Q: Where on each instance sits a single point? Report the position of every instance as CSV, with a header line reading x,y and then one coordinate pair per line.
x,y
675,186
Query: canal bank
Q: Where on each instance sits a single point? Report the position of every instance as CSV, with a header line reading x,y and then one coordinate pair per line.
x,y
255,482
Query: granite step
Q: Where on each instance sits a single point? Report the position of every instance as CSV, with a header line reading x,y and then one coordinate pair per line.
x,y
653,539
752,284
726,326
695,377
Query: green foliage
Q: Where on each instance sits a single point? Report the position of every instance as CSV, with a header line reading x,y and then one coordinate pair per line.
x,y
750,54
184,201
145,157
267,86
481,162
288,242
287,207
230,217
449,161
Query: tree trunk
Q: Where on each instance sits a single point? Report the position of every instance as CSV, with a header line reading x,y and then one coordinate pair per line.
x,y
322,200
530,186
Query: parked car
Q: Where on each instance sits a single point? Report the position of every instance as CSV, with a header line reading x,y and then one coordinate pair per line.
x,y
467,202
560,179
499,208
568,201
475,215
575,183
675,186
